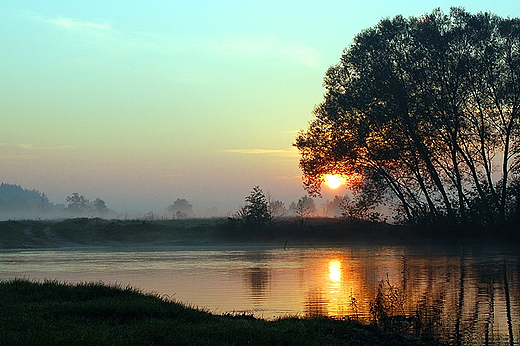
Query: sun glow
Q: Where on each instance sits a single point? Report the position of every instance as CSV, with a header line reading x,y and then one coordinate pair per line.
x,y
334,180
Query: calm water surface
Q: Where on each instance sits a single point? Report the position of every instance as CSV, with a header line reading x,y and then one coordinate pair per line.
x,y
465,296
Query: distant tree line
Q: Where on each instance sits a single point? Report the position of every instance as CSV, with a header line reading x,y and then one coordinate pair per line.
x,y
423,113
17,202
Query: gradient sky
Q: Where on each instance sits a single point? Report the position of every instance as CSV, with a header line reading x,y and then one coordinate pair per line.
x,y
143,102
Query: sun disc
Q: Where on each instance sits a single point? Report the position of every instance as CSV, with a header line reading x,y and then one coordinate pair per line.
x,y
333,180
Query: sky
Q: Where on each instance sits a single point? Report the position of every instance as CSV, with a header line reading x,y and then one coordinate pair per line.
x,y
143,102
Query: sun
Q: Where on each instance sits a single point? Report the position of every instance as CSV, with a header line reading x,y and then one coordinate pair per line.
x,y
334,180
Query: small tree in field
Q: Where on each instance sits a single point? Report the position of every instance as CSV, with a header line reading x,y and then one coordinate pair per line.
x,y
277,209
256,211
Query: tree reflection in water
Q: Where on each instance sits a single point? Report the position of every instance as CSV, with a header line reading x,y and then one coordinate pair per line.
x,y
463,300
258,279
257,276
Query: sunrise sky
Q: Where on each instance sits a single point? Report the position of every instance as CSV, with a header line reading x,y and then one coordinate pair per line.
x,y
143,102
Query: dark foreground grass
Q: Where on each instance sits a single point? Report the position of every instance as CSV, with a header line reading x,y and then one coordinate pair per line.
x,y
53,313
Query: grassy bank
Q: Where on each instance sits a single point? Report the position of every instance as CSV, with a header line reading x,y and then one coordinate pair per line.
x,y
84,232
96,314
81,232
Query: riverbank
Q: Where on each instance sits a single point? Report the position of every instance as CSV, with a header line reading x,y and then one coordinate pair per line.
x,y
97,314
101,233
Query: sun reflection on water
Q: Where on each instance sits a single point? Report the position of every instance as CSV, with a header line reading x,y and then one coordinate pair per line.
x,y
335,299
335,271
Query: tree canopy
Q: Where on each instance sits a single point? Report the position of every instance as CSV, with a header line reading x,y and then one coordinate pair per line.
x,y
424,112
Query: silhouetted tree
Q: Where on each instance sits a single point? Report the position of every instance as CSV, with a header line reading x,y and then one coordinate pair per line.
x,y
45,204
359,209
304,208
333,208
16,201
181,209
77,204
256,210
426,113
276,208
99,207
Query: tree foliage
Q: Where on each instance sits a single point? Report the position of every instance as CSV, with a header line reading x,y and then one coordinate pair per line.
x,y
424,112
99,206
17,201
276,208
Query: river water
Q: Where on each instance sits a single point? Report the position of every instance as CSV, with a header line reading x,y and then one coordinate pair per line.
x,y
464,295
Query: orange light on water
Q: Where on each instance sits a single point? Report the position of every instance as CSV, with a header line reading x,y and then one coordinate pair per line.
x,y
335,271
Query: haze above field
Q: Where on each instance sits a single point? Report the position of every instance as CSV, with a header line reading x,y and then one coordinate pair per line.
x,y
141,103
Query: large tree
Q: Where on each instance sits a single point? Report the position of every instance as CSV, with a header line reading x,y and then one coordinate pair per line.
x,y
423,111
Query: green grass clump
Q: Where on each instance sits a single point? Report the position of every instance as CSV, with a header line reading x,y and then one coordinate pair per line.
x,y
54,313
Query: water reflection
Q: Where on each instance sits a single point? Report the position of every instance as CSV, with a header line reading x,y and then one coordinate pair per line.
x,y
316,305
257,275
465,299
336,299
464,296
258,280
335,271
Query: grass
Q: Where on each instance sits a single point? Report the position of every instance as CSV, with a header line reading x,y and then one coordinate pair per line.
x,y
54,313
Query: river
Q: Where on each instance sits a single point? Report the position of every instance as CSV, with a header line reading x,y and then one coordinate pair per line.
x,y
464,295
